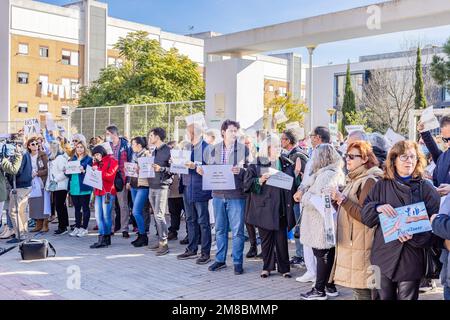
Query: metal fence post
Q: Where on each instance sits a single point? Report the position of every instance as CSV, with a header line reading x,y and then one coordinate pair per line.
x,y
127,121
81,121
95,120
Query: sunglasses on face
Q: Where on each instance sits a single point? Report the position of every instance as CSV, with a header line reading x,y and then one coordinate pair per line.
x,y
353,156
34,144
445,140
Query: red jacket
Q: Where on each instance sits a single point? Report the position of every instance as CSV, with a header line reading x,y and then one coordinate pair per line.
x,y
108,166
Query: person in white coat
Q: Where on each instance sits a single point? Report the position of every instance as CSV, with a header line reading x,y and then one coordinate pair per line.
x,y
57,183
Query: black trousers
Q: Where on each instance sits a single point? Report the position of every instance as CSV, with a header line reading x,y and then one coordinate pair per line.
x,y
251,230
176,205
403,290
52,203
82,203
325,260
274,246
61,209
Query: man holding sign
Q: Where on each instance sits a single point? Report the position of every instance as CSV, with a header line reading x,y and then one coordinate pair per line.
x,y
229,205
159,187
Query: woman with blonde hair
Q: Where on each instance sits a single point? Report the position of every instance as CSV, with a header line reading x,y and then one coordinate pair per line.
x,y
57,184
401,262
326,174
39,162
354,239
79,192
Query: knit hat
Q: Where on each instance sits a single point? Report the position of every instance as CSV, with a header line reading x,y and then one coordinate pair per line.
x,y
99,149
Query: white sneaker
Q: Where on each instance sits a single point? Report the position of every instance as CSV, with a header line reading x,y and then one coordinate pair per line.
x,y
82,233
7,234
75,232
307,277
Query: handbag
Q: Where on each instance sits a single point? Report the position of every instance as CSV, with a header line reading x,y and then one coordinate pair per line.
x,y
36,249
52,185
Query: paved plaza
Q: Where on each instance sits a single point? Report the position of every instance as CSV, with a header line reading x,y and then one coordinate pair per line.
x,y
124,272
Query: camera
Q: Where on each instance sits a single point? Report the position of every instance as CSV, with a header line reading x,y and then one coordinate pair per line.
x,y
8,145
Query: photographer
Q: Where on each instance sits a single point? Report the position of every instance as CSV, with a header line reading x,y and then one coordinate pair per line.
x,y
19,167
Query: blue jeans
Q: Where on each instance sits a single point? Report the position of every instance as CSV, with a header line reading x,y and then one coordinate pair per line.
x,y
103,214
298,244
447,293
139,197
229,214
197,219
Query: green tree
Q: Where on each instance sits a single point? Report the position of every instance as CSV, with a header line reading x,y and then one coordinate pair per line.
x,y
358,118
149,74
294,109
420,102
349,104
440,67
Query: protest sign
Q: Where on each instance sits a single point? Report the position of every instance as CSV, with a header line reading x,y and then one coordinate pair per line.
x,y
179,159
73,167
93,178
218,177
278,179
32,126
429,119
145,167
410,219
393,137
131,169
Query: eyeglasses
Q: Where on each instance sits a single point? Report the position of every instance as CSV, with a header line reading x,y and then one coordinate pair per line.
x,y
405,157
445,140
353,156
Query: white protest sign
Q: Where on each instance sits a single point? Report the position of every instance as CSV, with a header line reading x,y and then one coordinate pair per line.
x,y
51,126
280,117
32,126
333,127
429,119
73,167
218,177
179,159
278,179
145,167
393,137
350,129
93,178
131,169
295,126
107,147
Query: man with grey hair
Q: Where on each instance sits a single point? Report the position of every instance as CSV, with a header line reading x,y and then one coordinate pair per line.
x,y
357,135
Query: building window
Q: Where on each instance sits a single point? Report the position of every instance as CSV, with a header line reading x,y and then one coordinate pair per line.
x,y
43,52
357,81
117,62
43,79
270,88
70,58
43,107
282,91
22,77
23,107
23,48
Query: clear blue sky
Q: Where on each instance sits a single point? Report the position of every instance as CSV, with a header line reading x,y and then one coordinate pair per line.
x,y
226,16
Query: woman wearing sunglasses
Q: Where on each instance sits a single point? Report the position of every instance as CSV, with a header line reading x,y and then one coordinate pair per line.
x,y
401,262
354,239
39,162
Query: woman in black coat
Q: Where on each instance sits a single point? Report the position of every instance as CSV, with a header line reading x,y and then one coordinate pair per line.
x,y
270,208
401,262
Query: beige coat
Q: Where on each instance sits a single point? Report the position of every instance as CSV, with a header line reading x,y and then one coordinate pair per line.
x,y
354,240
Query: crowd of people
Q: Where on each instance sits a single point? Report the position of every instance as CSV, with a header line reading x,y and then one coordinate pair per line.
x,y
358,180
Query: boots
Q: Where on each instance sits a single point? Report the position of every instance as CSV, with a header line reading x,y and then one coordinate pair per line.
x,y
39,225
102,243
252,252
108,240
141,241
45,226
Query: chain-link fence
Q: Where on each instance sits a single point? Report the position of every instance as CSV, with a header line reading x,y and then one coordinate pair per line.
x,y
135,120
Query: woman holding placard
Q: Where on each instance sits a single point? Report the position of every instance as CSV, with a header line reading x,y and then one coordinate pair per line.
x,y
401,262
79,192
139,188
39,161
57,184
104,197
270,208
316,226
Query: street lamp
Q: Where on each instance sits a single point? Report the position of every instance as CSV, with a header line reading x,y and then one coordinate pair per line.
x,y
331,112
